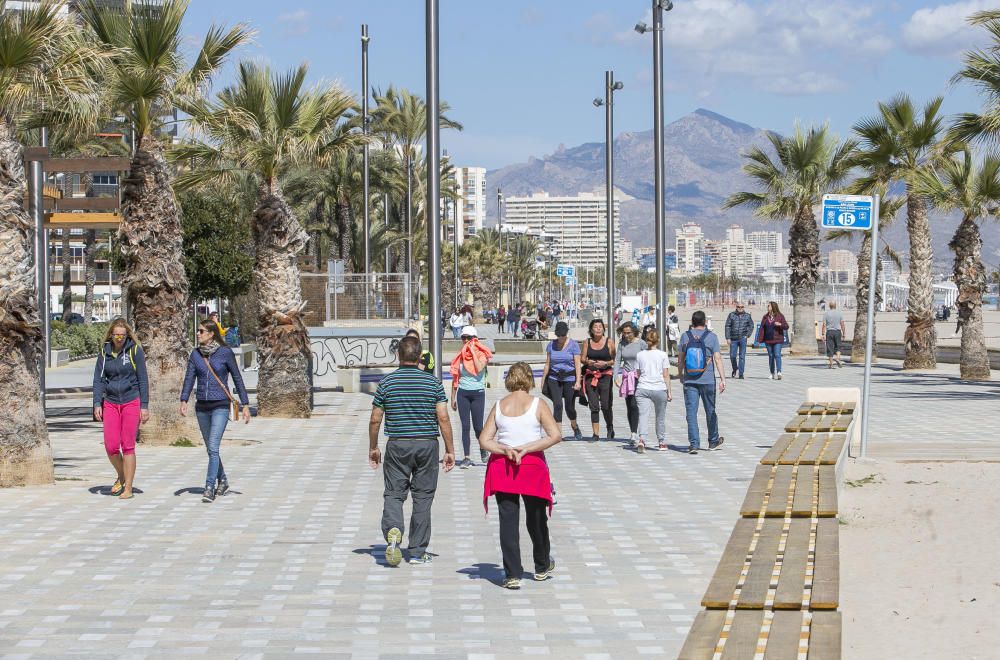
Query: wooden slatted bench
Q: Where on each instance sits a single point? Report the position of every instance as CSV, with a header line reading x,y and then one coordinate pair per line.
x,y
806,449
778,635
798,491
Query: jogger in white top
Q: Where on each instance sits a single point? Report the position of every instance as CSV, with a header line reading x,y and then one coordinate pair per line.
x,y
653,390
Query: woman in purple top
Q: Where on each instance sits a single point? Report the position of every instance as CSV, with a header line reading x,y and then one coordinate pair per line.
x,y
562,375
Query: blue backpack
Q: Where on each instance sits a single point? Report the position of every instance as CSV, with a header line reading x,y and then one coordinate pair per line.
x,y
233,337
696,355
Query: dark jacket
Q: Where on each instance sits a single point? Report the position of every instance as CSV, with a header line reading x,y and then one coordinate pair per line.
x,y
772,331
224,364
120,378
738,325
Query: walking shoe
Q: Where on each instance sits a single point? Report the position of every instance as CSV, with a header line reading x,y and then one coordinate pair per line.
x,y
595,438
734,374
208,495
741,376
840,365
545,575
578,434
222,488
512,583
770,376
422,558
717,445
393,555
485,456
640,447
611,434
465,463
778,376
692,450
663,446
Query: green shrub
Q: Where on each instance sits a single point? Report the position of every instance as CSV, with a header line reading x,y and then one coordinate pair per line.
x,y
80,340
57,325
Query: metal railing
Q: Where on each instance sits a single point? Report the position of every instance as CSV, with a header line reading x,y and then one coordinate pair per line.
x,y
376,297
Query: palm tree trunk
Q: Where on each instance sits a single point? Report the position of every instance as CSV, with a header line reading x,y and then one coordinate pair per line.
x,y
345,222
803,260
861,302
970,277
920,338
67,281
90,275
149,237
284,380
25,454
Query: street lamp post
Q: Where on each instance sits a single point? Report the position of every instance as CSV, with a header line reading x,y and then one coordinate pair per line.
x,y
610,87
364,129
500,234
433,185
660,233
454,237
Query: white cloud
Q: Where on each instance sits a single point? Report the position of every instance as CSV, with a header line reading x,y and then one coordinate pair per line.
x,y
294,23
296,16
943,30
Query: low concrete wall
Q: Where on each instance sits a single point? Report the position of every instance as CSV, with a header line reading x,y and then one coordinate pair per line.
x,y
59,357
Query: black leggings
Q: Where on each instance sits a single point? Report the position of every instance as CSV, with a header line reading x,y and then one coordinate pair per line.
x,y
563,391
535,518
599,398
471,404
632,407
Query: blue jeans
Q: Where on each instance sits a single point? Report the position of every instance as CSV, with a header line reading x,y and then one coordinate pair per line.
x,y
738,347
774,358
512,327
456,332
693,392
213,424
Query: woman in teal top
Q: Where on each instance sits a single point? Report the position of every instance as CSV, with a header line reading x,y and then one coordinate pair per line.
x,y
469,398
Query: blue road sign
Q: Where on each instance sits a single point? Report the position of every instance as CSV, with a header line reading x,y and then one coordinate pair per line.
x,y
847,212
570,280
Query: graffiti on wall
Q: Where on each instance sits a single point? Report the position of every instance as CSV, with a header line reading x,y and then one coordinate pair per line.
x,y
332,352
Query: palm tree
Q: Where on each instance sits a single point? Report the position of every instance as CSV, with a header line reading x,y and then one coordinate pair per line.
x,y
959,185
45,79
809,164
146,80
981,67
260,125
900,142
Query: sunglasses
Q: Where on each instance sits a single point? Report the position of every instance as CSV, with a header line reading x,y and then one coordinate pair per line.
x,y
118,336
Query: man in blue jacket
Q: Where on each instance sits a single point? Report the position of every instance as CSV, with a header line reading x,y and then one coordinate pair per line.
x,y
739,326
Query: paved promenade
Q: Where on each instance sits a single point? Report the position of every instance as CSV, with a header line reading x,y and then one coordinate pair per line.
x,y
291,560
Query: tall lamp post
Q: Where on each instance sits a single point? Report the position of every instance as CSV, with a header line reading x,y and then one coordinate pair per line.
x,y
500,233
660,233
610,87
433,185
364,129
454,224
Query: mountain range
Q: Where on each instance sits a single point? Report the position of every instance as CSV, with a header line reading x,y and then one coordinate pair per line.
x,y
703,165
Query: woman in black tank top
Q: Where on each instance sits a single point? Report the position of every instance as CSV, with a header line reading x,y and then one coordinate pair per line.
x,y
598,360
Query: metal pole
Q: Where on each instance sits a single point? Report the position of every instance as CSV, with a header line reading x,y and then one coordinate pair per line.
x,y
364,129
409,205
454,225
609,167
660,228
870,324
385,212
433,186
36,205
500,235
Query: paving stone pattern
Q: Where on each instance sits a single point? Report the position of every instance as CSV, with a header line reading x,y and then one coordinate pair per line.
x,y
291,560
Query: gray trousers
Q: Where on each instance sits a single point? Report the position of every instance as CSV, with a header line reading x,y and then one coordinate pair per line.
x,y
650,401
411,466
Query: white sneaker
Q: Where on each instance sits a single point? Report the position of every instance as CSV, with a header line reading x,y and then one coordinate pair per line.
x,y
778,376
770,376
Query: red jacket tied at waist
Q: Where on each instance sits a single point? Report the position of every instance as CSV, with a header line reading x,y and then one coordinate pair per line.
x,y
531,477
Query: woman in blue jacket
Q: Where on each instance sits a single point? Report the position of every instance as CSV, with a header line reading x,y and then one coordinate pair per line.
x,y
212,407
121,400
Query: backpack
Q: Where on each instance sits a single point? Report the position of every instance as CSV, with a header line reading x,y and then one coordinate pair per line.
x,y
232,337
695,361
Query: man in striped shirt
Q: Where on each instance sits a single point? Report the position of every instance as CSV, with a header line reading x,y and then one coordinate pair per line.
x,y
414,406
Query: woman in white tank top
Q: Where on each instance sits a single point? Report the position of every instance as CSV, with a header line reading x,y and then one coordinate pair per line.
x,y
517,469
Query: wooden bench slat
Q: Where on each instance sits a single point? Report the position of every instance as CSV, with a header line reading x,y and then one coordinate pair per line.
x,y
741,643
792,580
703,636
755,493
827,491
777,502
758,580
805,487
796,423
812,453
831,454
795,449
783,640
826,574
779,447
825,635
727,574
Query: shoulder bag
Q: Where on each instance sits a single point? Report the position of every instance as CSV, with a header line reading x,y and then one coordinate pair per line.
x,y
234,405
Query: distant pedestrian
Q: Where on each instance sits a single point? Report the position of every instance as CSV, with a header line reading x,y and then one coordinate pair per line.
x,y
653,390
457,322
426,362
739,326
673,331
598,364
501,318
772,334
626,376
214,318
468,389
514,319
413,404
833,331
518,431
210,365
699,359
121,400
561,376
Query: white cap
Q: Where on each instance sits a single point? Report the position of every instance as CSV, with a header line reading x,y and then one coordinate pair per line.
x,y
470,331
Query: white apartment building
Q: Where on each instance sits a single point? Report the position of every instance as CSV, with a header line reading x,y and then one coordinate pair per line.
x,y
731,258
690,246
842,267
469,208
575,226
769,250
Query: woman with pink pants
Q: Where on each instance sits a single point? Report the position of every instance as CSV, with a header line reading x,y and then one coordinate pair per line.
x,y
121,400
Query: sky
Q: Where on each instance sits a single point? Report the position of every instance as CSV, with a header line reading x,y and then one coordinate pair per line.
x,y
521,75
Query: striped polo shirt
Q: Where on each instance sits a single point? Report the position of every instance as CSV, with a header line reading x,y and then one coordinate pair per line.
x,y
409,398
